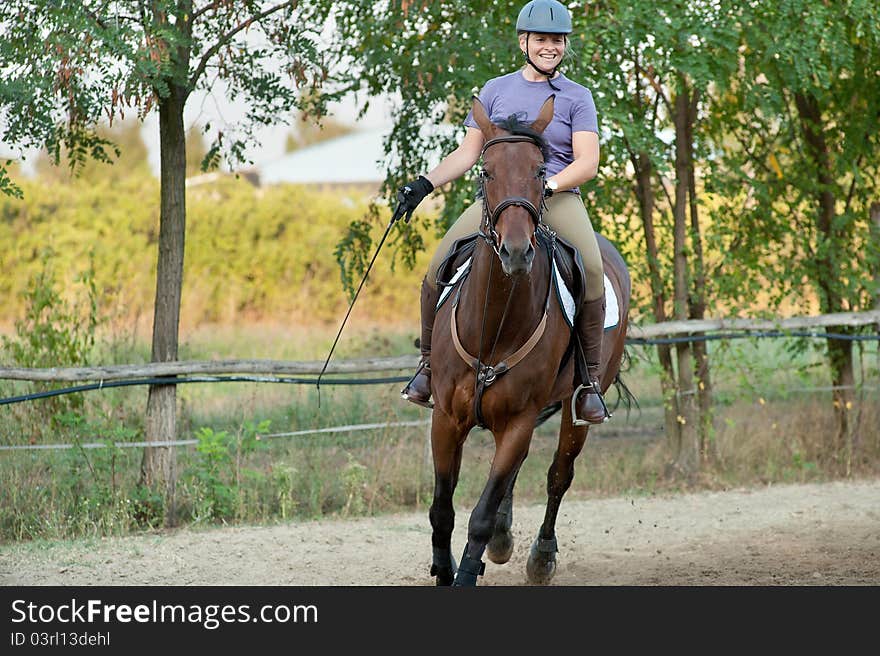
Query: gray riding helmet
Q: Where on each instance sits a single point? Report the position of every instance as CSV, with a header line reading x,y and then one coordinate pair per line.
x,y
544,16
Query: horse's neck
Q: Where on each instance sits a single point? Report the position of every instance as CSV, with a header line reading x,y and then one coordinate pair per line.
x,y
527,297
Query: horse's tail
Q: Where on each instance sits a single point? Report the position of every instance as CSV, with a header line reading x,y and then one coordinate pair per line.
x,y
548,412
625,396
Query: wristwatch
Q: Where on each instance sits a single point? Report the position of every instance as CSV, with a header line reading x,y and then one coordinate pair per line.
x,y
550,186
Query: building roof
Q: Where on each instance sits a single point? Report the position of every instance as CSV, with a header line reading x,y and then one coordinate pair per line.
x,y
350,159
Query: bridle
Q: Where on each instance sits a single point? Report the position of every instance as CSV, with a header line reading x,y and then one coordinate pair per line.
x,y
490,217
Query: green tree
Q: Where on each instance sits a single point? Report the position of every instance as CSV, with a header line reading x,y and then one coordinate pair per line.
x,y
433,56
804,137
9,171
658,70
69,63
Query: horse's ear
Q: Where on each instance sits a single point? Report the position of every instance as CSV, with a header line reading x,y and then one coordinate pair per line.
x,y
545,115
482,119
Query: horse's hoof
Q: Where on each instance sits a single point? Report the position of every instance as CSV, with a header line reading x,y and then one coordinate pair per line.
x,y
465,580
500,547
445,574
444,577
541,566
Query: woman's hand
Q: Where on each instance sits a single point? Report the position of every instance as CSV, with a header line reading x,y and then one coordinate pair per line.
x,y
410,195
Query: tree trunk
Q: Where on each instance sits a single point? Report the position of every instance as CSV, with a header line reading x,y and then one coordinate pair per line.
x,y
686,459
161,424
830,242
645,193
698,301
875,240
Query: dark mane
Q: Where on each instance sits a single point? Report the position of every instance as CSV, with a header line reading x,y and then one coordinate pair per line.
x,y
515,125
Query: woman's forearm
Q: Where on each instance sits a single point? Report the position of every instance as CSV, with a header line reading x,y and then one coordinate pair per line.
x,y
586,162
577,173
459,161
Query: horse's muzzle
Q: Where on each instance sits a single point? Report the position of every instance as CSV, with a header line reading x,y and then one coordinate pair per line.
x,y
517,260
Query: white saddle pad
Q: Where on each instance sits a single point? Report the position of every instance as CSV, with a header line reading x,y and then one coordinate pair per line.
x,y
566,301
612,307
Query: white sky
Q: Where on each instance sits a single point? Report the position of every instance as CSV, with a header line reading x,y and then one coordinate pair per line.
x,y
201,110
272,139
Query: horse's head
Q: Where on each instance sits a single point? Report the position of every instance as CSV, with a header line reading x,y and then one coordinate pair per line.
x,y
512,179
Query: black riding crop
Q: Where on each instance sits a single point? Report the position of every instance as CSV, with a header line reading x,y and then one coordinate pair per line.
x,y
399,212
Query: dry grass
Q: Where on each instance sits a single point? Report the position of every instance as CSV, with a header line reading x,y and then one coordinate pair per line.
x,y
69,494
795,441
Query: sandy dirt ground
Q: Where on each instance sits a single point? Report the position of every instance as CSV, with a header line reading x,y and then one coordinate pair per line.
x,y
826,534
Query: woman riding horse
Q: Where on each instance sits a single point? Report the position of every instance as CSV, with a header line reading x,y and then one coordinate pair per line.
x,y
573,158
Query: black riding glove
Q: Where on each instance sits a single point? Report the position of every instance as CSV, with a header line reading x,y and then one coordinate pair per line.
x,y
410,195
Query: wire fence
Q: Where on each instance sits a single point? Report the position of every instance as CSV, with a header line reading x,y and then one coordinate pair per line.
x,y
179,380
353,428
684,339
746,330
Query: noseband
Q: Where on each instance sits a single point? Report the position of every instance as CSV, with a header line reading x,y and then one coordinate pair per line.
x,y
490,217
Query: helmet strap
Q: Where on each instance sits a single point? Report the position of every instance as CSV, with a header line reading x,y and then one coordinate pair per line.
x,y
535,66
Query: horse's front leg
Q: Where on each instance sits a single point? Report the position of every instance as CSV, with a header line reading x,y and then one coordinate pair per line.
x,y
511,449
541,565
500,547
447,440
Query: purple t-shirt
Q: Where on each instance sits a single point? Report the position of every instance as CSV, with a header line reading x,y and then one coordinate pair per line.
x,y
573,111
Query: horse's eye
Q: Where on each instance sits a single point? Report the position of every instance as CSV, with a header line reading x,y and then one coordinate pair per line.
x,y
486,175
542,171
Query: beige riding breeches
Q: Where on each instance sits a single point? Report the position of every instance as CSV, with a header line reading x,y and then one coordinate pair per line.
x,y
565,213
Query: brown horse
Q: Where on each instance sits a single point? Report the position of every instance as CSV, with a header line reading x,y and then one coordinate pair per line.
x,y
502,308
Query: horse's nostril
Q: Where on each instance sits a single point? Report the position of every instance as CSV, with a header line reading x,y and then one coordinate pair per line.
x,y
503,250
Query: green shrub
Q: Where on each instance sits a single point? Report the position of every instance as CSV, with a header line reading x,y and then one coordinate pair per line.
x,y
217,473
251,254
55,331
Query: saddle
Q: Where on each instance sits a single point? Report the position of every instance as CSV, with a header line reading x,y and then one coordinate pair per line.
x,y
455,266
569,279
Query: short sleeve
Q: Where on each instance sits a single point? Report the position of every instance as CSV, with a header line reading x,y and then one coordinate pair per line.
x,y
583,114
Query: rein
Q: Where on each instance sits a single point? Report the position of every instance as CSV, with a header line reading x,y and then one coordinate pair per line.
x,y
487,374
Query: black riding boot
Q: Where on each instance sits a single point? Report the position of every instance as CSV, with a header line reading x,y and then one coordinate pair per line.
x,y
418,389
588,407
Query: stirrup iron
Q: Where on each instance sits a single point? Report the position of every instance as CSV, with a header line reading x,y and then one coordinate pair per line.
x,y
404,393
595,388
